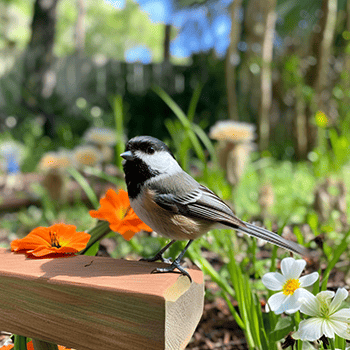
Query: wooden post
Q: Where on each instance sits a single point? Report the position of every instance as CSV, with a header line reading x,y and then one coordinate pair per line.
x,y
94,303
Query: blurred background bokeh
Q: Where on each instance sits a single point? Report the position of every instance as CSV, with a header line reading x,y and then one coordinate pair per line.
x,y
271,63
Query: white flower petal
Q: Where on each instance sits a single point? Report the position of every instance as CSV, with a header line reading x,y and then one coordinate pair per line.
x,y
342,315
309,329
309,305
275,301
273,280
327,328
291,311
293,303
287,266
322,297
340,328
282,307
292,268
304,294
308,280
339,297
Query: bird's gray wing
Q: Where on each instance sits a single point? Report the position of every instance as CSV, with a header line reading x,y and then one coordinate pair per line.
x,y
191,199
188,197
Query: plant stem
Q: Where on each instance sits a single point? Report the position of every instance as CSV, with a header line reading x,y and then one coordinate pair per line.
x,y
331,343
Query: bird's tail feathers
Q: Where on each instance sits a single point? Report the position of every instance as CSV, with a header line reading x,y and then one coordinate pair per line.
x,y
273,238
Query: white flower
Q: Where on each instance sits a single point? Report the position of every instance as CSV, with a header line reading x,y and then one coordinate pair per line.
x,y
326,318
290,284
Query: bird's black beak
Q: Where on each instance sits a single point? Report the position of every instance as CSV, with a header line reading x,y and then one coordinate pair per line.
x,y
127,155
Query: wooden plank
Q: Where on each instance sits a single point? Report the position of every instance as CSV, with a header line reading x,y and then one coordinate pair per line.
x,y
98,303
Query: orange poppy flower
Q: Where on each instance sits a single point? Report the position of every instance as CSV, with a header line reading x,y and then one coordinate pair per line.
x,y
115,208
56,240
7,347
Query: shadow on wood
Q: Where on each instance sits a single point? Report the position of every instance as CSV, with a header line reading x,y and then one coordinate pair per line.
x,y
98,303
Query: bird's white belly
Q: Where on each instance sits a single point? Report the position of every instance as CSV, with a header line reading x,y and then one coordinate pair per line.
x,y
165,223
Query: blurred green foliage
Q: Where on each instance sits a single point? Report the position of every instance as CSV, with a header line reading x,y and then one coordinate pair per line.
x,y
112,36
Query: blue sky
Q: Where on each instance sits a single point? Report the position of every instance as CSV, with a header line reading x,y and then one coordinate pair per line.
x,y
200,27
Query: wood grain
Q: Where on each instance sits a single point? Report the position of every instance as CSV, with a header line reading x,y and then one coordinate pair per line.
x,y
98,303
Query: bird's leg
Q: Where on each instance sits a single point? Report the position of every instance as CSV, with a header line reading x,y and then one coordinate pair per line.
x,y
176,264
159,255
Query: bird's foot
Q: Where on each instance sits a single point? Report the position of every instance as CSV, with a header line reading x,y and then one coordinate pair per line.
x,y
171,268
158,257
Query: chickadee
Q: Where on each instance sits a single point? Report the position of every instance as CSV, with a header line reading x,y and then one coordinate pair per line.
x,y
175,205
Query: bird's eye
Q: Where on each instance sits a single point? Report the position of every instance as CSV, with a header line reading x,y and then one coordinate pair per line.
x,y
150,150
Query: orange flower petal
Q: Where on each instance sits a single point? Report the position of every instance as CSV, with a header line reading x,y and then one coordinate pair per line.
x,y
55,240
128,235
41,251
7,347
30,346
115,208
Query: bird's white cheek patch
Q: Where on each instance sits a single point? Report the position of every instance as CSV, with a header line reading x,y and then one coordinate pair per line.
x,y
162,162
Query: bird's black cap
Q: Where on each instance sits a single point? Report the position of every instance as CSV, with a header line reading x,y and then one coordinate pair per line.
x,y
143,143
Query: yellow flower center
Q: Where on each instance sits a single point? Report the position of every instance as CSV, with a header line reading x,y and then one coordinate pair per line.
x,y
290,286
121,212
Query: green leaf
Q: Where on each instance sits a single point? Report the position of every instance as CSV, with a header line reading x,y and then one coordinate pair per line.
x,y
92,251
283,327
316,285
97,233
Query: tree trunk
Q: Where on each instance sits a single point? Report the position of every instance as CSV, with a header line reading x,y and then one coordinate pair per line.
x,y
300,123
232,59
266,76
346,71
318,75
325,52
249,81
166,43
39,79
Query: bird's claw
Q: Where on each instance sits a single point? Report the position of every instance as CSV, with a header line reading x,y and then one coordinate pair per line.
x,y
156,258
171,268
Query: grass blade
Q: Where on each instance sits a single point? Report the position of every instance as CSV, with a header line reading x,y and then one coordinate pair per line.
x,y
336,255
80,179
184,121
193,103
